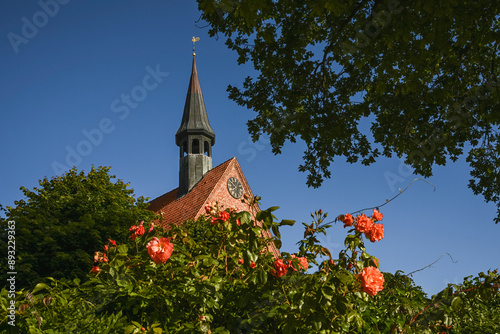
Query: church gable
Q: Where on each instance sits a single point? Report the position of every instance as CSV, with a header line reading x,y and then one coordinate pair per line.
x,y
221,194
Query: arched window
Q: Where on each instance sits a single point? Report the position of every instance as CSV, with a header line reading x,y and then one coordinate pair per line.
x,y
196,146
206,148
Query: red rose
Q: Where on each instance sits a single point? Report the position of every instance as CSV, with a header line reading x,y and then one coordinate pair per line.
x,y
363,224
376,233
106,247
279,268
238,222
224,216
213,221
372,280
112,242
348,220
138,231
240,261
252,264
377,215
160,249
95,269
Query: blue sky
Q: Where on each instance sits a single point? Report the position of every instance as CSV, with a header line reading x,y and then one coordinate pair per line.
x,y
71,73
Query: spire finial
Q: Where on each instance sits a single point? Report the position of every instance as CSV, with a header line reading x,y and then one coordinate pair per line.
x,y
195,39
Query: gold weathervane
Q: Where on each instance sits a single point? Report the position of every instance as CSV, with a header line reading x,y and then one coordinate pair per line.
x,y
195,39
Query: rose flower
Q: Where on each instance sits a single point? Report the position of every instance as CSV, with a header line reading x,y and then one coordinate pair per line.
x,y
160,249
279,268
372,280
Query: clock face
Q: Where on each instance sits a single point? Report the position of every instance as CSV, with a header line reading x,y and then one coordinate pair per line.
x,y
234,187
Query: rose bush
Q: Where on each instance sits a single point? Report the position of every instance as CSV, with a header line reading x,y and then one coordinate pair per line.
x,y
221,278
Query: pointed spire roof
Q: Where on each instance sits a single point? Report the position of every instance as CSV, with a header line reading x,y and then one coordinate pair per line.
x,y
195,118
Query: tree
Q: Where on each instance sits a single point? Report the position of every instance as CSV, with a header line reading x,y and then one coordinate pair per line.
x,y
60,224
425,74
215,275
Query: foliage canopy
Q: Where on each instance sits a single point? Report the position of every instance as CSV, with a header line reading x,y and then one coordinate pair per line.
x,y
220,278
59,225
424,74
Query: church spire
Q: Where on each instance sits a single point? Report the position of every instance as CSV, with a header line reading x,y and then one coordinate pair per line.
x,y
194,137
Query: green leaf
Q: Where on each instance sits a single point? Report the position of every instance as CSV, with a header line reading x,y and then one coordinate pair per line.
x,y
262,276
456,303
244,217
276,231
39,287
287,222
273,208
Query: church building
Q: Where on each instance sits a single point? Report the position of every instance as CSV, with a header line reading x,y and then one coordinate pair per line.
x,y
199,183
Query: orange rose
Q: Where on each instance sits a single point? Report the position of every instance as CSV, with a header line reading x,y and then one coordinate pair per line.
x,y
302,265
377,215
363,224
372,280
376,233
160,249
348,220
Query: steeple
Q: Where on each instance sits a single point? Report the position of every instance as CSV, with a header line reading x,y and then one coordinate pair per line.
x,y
194,137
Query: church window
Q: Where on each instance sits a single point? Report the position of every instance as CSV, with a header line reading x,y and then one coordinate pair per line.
x,y
196,146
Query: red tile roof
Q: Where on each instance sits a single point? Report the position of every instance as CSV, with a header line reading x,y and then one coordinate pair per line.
x,y
177,210
158,203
